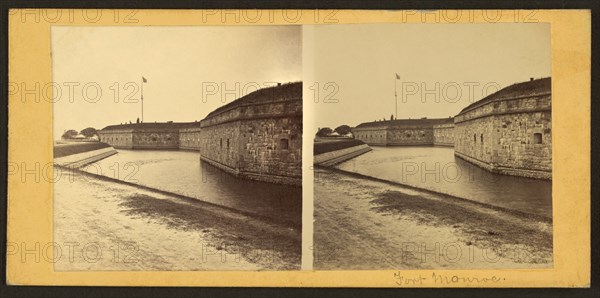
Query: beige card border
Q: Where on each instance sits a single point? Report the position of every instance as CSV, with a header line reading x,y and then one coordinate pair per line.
x,y
30,143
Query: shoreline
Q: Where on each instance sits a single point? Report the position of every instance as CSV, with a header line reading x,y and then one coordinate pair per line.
x,y
370,224
136,228
448,196
284,222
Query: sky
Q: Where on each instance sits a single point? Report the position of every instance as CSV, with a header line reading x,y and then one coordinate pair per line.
x,y
362,61
190,71
349,71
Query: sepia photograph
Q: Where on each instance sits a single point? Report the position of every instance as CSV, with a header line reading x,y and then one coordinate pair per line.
x,y
177,148
153,147
434,149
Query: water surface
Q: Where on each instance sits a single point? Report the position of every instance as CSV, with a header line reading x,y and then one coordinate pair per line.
x,y
437,169
183,173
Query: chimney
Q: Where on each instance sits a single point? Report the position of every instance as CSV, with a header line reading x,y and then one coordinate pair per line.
x,y
530,79
278,84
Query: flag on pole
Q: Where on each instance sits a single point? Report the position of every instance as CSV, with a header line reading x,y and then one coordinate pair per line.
x,y
397,77
146,81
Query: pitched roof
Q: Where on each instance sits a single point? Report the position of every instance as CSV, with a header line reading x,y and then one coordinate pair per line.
x,y
529,88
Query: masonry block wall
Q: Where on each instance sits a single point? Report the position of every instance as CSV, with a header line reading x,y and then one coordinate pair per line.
x,y
220,143
118,138
410,135
156,139
258,136
474,139
190,138
406,132
274,148
152,135
376,136
443,135
510,131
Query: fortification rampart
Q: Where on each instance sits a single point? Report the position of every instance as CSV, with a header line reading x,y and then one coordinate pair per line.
x,y
406,132
510,131
443,135
190,138
258,138
118,138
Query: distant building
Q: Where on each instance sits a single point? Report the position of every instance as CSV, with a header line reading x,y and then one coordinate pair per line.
x,y
406,132
146,135
258,136
510,131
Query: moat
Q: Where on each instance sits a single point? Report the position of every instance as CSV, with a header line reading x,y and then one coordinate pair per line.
x,y
182,172
437,169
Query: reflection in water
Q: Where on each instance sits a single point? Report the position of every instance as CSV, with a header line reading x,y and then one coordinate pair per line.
x,y
183,173
437,169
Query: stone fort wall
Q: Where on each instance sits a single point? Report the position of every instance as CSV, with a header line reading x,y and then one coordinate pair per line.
x,y
410,135
374,136
406,132
258,136
161,136
508,132
260,141
119,139
190,138
510,135
443,135
156,139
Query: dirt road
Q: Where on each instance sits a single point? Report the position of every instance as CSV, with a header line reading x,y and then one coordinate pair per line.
x,y
367,224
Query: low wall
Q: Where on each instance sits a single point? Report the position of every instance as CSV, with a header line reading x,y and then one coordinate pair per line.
x,y
334,157
84,158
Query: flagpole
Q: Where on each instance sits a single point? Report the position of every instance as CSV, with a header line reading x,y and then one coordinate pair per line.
x,y
396,97
142,99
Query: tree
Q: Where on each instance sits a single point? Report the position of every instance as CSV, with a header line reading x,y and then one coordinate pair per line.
x,y
392,117
69,134
323,132
138,120
89,132
343,130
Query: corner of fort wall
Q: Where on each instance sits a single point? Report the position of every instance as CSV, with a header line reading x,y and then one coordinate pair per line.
x,y
258,141
511,136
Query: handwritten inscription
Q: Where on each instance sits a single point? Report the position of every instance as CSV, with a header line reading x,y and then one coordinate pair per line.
x,y
444,279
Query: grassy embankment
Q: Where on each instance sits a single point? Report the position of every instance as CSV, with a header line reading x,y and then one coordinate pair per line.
x,y
323,145
66,149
